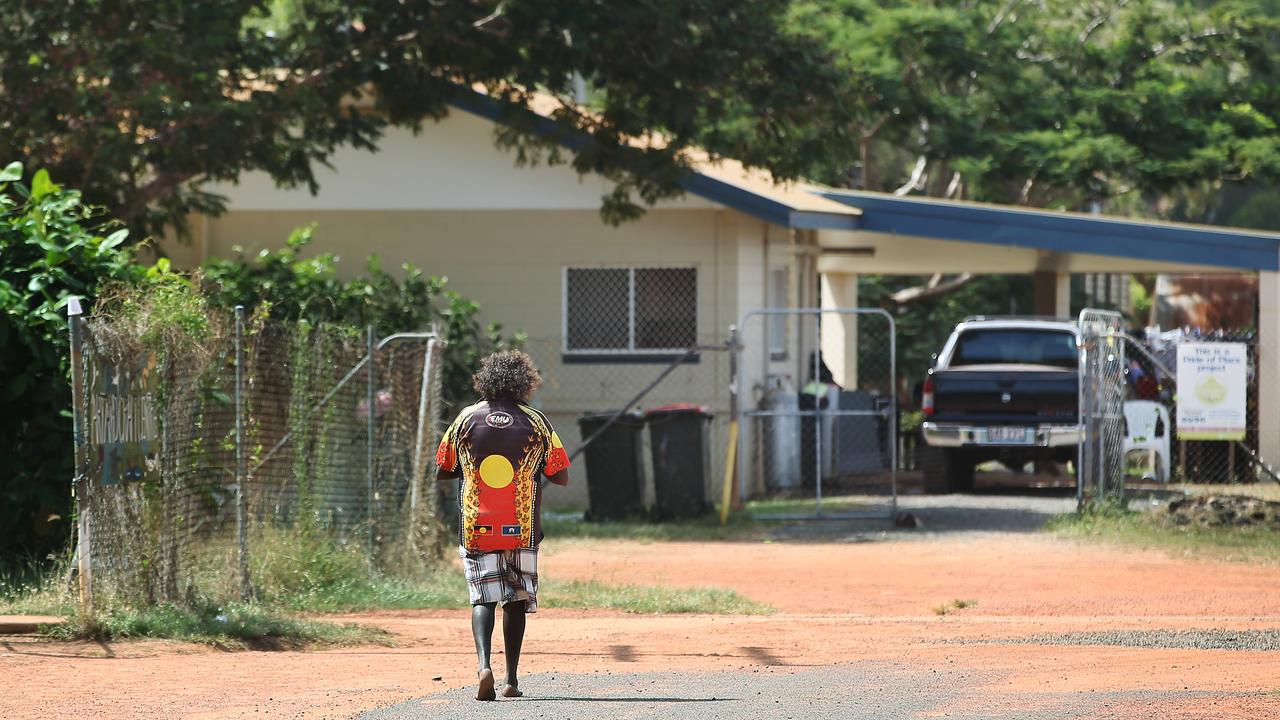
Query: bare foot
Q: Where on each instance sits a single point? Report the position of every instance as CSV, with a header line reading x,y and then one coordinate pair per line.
x,y
511,691
485,691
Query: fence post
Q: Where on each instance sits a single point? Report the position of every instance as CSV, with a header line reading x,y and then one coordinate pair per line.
x,y
419,447
80,482
242,532
369,404
731,447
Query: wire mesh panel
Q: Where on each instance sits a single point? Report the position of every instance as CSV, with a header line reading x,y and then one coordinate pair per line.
x,y
581,389
631,338
819,421
1192,408
1100,473
196,471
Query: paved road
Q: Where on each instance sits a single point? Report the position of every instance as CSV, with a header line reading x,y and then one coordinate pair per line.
x,y
848,692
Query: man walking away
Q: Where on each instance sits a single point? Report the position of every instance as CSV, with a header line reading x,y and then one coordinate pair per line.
x,y
501,448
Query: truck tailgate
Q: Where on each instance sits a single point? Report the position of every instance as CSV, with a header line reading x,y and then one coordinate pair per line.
x,y
1005,396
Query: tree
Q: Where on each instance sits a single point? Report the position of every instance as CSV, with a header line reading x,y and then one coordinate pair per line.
x,y
52,247
142,103
1139,107
1056,103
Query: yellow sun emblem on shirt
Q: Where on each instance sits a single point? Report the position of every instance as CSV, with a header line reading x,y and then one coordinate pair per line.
x,y
496,472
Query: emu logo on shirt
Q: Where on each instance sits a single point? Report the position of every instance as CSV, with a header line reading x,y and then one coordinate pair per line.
x,y
498,420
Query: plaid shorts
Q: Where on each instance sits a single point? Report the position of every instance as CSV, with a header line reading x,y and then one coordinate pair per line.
x,y
502,576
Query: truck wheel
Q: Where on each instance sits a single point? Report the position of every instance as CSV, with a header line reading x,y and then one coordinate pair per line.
x,y
946,470
960,469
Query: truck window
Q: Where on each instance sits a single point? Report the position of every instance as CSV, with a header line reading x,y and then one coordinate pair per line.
x,y
1020,346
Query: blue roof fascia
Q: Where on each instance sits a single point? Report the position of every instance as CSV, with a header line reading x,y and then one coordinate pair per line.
x,y
762,207
490,109
717,191
1066,233
813,220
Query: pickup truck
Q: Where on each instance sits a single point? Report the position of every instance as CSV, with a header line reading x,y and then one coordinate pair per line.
x,y
1001,389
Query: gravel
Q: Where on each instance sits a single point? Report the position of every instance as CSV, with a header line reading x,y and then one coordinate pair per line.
x,y
1251,640
937,514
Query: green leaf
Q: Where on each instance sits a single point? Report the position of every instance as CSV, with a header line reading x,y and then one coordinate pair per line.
x,y
41,185
11,172
114,239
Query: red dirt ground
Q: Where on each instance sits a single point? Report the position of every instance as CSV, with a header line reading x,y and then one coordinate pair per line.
x,y
836,603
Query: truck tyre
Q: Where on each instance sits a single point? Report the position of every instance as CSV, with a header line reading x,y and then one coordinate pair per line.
x,y
946,470
960,469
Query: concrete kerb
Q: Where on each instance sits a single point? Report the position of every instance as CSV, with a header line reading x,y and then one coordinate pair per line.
x,y
26,624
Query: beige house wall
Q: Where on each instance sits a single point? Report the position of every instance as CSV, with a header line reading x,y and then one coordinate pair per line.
x,y
511,262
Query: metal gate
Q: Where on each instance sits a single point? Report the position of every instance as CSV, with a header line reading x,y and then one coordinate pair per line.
x,y
1100,470
815,396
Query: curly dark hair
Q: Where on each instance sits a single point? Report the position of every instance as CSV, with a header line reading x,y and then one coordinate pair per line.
x,y
507,375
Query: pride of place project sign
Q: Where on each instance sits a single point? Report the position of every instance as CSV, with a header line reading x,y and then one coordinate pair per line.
x,y
1212,382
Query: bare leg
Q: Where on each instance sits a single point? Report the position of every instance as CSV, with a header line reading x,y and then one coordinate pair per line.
x,y
482,619
513,621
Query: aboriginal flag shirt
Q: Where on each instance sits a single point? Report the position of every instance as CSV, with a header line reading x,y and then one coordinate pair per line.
x,y
503,448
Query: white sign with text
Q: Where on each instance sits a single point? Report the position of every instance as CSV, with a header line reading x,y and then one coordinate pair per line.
x,y
1212,385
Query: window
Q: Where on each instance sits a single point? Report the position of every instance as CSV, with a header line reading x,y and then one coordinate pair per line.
x,y
1017,346
630,310
779,297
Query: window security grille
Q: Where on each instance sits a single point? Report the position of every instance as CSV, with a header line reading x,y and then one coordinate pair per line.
x,y
630,310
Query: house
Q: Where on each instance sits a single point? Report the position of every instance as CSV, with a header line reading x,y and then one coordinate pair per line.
x,y
607,308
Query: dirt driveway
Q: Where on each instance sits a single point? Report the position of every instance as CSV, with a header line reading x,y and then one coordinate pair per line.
x,y
1056,630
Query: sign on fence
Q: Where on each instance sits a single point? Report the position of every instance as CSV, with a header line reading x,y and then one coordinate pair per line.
x,y
123,425
1212,387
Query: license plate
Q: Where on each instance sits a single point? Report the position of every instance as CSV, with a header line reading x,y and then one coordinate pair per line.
x,y
1006,434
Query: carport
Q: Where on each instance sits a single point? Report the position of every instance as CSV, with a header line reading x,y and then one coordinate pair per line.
x,y
919,236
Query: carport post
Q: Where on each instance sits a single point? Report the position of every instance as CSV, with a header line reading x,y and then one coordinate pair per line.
x,y
1269,367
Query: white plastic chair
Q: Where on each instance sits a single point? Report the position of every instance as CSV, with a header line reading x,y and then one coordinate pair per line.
x,y
1142,419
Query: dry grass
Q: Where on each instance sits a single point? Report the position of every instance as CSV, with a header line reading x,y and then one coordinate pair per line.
x,y
1262,490
953,606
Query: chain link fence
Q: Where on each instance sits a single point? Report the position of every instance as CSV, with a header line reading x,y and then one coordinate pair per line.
x,y
835,431
1172,407
1100,470
584,391
1172,379
200,458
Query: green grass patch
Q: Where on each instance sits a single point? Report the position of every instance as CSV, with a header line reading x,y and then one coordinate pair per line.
x,y
647,599
804,507
1149,530
739,527
309,571
29,588
232,626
